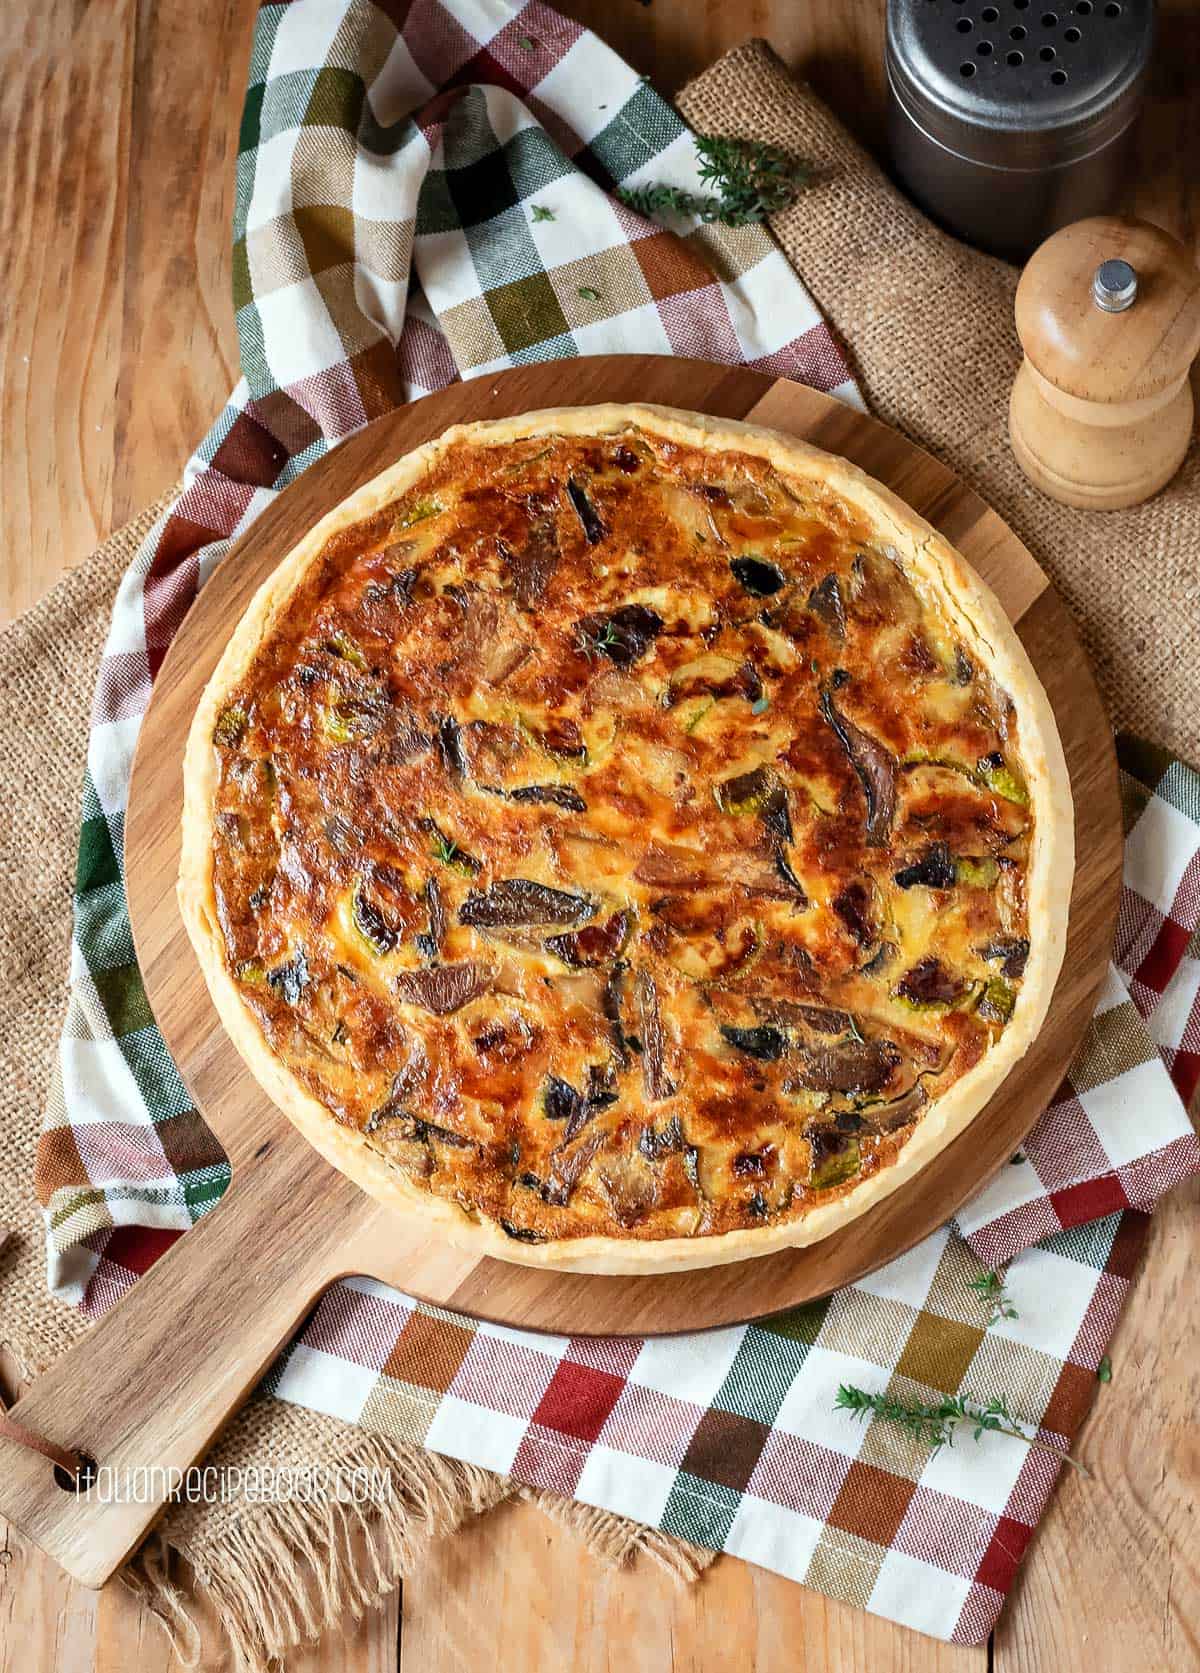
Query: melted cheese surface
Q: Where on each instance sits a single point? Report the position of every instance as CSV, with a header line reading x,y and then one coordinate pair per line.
x,y
616,836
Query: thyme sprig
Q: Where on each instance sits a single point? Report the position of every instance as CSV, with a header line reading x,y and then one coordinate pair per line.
x,y
588,645
990,1287
751,180
935,1425
445,849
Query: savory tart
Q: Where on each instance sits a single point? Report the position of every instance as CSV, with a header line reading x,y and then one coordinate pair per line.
x,y
628,839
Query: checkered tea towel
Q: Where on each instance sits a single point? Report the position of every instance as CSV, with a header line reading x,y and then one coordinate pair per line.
x,y
423,194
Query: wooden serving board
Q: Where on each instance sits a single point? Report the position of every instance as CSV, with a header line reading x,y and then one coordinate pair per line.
x,y
164,1369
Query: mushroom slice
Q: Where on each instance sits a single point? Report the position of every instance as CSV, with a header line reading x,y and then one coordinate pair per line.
x,y
593,945
552,795
442,988
657,1082
621,635
675,869
757,577
567,1163
631,1185
290,980
825,602
930,986
533,564
934,870
887,1118
1011,951
449,740
590,519
822,1019
847,1066
430,941
516,901
876,768
764,1042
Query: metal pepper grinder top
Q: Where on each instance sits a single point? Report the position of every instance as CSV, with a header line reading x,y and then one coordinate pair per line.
x,y
1108,314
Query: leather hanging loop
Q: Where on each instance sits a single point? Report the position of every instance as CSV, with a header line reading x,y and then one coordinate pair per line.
x,y
11,1430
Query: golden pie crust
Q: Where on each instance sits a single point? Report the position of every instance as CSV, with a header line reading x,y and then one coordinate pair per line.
x,y
626,839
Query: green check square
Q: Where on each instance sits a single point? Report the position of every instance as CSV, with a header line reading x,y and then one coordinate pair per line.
x,y
204,1188
155,1075
526,312
802,1324
251,118
1135,799
702,1511
763,1370
467,134
286,99
1090,1244
643,127
265,30
503,250
435,206
563,347
1147,762
96,866
272,1378
124,998
534,162
102,927
386,139
244,170
1180,788
251,346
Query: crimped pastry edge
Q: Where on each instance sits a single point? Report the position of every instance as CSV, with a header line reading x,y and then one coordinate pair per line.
x,y
979,618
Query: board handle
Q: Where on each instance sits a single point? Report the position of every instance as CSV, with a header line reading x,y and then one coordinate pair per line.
x,y
146,1390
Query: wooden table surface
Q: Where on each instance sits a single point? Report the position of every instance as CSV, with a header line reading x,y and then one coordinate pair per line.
x,y
117,348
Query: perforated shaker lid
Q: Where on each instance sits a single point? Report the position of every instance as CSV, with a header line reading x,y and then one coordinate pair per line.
x,y
1020,84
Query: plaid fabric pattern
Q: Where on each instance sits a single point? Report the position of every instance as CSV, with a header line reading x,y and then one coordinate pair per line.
x,y
423,194
731,1439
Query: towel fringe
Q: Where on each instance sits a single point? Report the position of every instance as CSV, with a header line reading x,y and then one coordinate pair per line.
x,y
295,1569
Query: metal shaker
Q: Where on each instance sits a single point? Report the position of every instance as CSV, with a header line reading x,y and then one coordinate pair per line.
x,y
1010,119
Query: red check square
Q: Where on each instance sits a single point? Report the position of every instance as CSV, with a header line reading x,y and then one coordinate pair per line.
x,y
1166,951
1091,1199
578,1400
999,1562
136,1248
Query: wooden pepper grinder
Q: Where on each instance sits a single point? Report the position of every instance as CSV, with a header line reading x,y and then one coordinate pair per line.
x,y
1108,313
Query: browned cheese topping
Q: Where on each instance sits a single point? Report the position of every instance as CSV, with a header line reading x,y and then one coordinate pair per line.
x,y
614,834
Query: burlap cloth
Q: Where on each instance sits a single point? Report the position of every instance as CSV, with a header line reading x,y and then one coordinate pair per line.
x,y
928,325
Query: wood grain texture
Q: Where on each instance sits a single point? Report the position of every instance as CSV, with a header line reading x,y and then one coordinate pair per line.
x,y
47,1622
65,484
511,1580
134,1393
836,44
116,192
1112,1582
